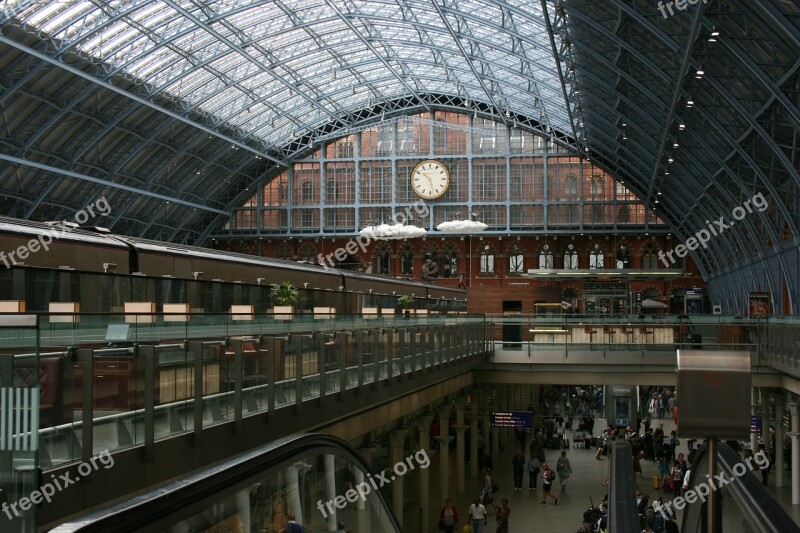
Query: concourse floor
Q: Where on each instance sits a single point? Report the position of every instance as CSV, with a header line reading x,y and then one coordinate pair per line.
x,y
585,486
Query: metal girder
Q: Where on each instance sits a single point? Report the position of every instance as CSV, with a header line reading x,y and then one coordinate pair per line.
x,y
105,183
105,84
465,55
557,60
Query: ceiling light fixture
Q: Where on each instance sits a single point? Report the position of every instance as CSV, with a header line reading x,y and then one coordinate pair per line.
x,y
689,103
700,72
681,126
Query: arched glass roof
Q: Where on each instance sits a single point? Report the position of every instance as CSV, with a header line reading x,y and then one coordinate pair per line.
x,y
271,69
177,109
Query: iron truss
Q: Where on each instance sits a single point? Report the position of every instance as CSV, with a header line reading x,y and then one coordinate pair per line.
x,y
177,109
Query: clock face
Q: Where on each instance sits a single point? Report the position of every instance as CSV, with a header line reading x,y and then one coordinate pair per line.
x,y
430,179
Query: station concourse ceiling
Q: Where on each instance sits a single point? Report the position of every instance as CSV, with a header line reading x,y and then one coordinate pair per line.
x,y
175,109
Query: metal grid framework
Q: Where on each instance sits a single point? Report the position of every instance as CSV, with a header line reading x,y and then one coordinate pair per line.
x,y
176,109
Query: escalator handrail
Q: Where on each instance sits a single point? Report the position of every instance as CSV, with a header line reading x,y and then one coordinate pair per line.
x,y
153,506
622,512
754,500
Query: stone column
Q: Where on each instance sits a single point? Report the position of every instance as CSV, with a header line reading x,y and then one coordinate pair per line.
x,y
330,489
795,435
473,435
444,450
461,427
243,507
397,441
293,495
424,424
779,459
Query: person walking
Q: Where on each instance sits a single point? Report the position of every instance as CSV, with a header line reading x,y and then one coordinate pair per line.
x,y
518,464
488,486
477,515
533,471
448,517
548,477
564,470
501,516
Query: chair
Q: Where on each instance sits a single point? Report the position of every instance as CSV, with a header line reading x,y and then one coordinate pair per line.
x,y
645,332
609,332
590,331
628,332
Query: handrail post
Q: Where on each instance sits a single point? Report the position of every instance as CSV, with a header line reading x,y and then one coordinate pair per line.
x,y
148,352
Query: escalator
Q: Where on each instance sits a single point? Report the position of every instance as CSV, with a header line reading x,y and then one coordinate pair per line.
x,y
320,479
745,505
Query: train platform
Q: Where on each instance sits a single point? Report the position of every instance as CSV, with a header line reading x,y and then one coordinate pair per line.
x,y
585,488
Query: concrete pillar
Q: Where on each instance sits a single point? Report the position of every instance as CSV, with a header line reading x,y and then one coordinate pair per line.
x,y
461,427
293,496
424,424
243,507
397,441
330,489
473,435
795,434
779,459
444,450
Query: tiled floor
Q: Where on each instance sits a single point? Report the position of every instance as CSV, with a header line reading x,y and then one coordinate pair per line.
x,y
585,487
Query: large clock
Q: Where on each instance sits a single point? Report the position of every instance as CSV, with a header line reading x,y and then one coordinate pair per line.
x,y
430,179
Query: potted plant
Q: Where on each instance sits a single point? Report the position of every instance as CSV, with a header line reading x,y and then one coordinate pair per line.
x,y
405,301
286,296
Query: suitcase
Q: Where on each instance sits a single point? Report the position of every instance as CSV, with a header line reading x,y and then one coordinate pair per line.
x,y
656,482
554,443
565,443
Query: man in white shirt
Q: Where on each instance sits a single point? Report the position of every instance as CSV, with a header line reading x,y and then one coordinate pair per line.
x,y
477,514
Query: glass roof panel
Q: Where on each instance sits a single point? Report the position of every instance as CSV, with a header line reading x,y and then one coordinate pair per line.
x,y
300,55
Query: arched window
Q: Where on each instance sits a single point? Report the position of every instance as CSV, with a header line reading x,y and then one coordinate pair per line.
x,y
623,257
570,258
623,215
571,186
381,257
546,257
486,261
407,261
516,260
307,192
450,262
598,214
596,259
650,256
597,187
